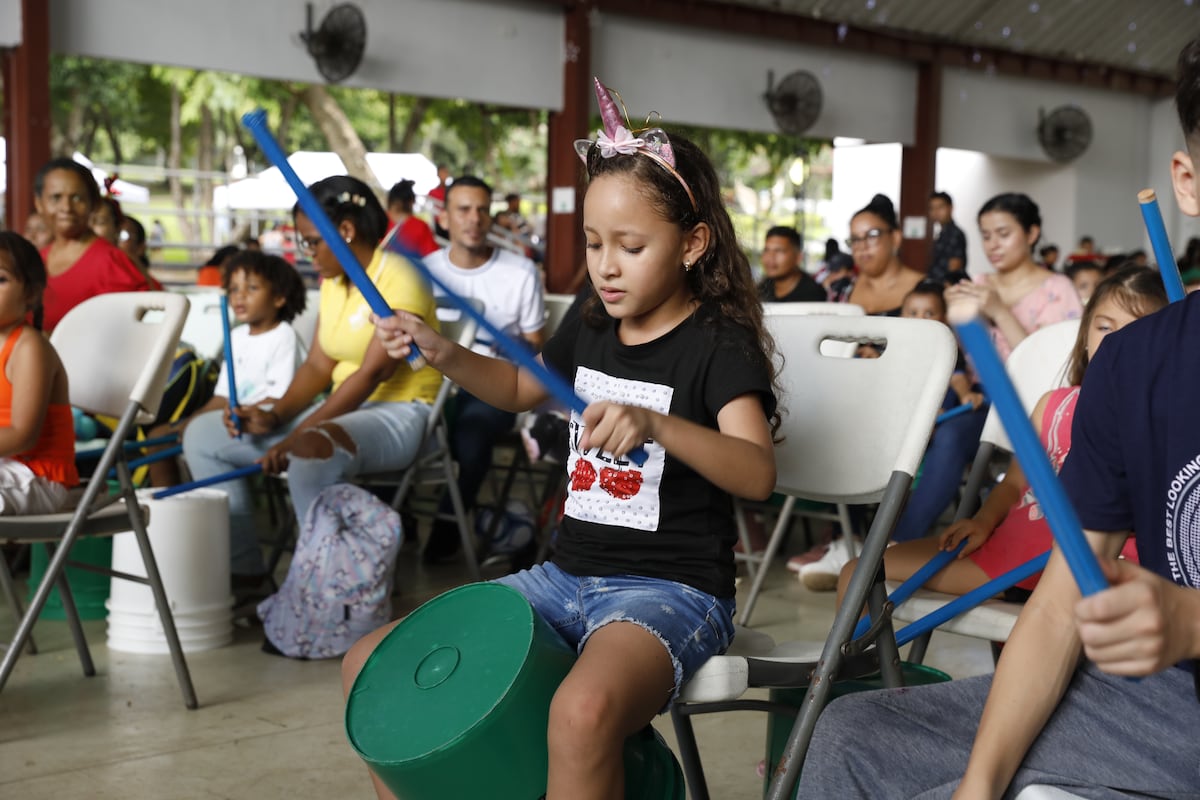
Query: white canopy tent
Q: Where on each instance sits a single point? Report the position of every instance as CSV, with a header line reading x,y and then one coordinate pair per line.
x,y
269,191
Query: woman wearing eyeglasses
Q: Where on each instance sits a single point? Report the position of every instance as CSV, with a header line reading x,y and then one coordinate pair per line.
x,y
882,280
375,414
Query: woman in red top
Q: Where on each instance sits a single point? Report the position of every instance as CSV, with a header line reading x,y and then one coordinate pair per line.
x,y
37,434
79,263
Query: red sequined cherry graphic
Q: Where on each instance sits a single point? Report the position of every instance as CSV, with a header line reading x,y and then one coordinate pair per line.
x,y
583,476
620,483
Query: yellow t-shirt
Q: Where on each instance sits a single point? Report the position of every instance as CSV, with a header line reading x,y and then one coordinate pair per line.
x,y
344,329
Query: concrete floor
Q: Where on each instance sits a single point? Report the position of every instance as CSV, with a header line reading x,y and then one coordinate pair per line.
x,y
270,727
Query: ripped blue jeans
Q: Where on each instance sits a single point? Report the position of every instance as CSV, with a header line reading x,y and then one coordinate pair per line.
x,y
692,625
386,437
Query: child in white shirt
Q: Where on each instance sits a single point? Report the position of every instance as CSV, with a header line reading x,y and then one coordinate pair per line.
x,y
266,294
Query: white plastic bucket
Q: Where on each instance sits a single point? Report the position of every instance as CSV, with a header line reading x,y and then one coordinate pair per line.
x,y
190,537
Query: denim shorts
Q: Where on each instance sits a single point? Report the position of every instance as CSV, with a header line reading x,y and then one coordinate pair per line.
x,y
692,625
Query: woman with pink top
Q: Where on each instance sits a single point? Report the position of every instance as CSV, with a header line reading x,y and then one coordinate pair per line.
x,y
1019,297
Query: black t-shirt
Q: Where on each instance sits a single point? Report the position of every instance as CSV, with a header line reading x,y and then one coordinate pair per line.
x,y
660,520
806,291
1135,441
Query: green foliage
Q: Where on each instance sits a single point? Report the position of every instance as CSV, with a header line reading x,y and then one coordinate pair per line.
x,y
506,146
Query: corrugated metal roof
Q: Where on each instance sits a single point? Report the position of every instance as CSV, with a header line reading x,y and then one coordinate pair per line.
x,y
1142,35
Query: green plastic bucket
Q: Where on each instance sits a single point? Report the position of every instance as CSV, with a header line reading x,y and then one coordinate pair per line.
x,y
779,726
455,702
651,770
90,589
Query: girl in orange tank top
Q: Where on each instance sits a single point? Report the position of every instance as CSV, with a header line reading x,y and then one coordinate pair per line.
x,y
37,439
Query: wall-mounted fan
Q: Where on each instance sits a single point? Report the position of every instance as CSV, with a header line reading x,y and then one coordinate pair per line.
x,y
337,45
796,102
1064,133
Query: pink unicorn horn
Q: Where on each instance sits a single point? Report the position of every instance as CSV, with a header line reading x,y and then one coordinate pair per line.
x,y
609,115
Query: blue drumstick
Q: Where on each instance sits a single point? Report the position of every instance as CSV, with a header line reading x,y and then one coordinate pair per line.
x,y
256,123
161,455
84,455
233,398
240,472
966,602
1061,516
1152,216
918,579
554,383
957,411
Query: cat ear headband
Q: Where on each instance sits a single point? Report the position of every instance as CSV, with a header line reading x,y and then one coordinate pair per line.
x,y
616,139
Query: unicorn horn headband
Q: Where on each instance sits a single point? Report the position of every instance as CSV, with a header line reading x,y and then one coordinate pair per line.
x,y
615,138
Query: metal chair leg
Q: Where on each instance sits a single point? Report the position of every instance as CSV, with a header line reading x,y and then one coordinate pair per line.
x,y
460,512
689,754
71,611
9,587
53,569
783,786
781,525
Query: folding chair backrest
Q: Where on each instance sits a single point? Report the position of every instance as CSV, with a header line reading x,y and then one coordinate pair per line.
x,y
1036,365
202,328
852,422
457,327
556,309
811,309
829,347
118,348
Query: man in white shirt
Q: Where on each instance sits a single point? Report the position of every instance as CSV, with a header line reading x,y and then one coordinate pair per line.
x,y
510,288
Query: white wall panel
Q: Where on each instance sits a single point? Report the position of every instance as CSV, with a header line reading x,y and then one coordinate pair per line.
x,y
507,53
998,116
710,78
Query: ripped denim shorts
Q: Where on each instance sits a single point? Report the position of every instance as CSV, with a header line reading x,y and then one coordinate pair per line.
x,y
691,624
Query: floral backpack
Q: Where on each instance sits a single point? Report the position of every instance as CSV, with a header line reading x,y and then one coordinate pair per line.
x,y
339,585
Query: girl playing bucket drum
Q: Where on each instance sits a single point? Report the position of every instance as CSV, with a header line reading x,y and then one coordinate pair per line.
x,y
37,433
672,355
1009,529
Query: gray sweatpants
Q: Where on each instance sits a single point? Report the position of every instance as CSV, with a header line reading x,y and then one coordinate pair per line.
x,y
1109,738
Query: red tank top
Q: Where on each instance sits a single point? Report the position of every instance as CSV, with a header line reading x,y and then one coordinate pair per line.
x,y
53,456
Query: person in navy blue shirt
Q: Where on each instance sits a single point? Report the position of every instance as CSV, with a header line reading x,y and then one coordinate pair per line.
x,y
1048,716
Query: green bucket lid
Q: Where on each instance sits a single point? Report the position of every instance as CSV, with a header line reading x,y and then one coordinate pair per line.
x,y
466,679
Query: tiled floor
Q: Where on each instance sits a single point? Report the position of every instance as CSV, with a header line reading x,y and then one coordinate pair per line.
x,y
269,727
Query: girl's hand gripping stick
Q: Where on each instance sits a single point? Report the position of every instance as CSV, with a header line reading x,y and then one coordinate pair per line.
x,y
554,383
256,123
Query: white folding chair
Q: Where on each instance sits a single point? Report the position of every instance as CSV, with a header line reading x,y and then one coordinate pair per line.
x,y
1036,365
756,562
892,402
556,308
117,350
202,328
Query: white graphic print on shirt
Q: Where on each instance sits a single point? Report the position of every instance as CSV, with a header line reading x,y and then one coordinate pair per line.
x,y
1183,524
615,491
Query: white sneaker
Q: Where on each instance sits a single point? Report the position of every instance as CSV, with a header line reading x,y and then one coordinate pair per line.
x,y
822,575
